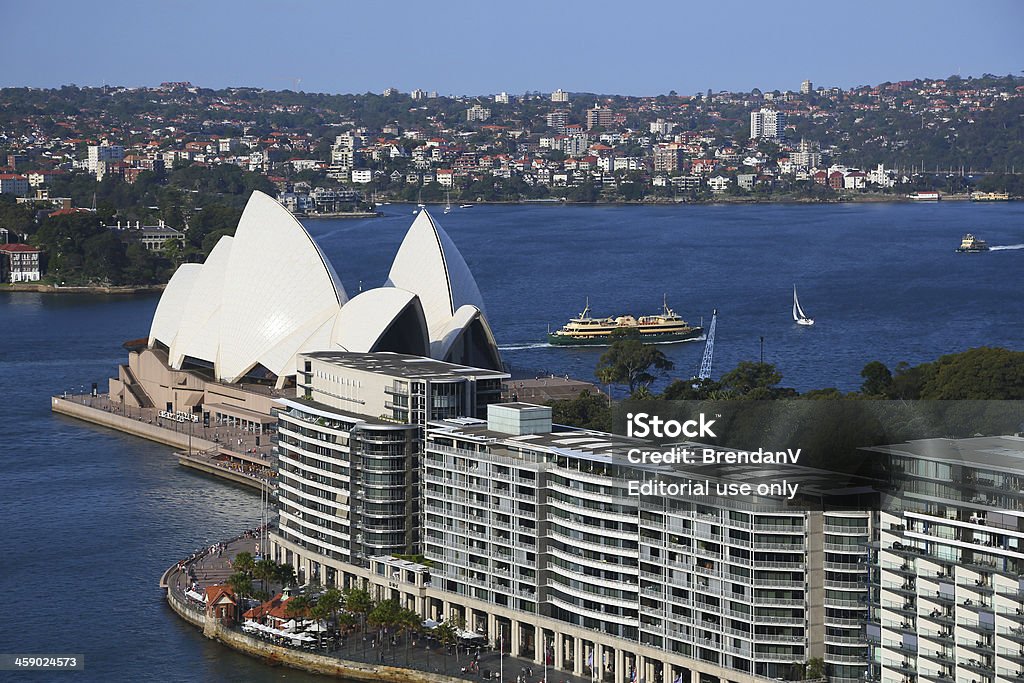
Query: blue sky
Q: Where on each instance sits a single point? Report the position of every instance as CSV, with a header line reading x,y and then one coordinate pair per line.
x,y
481,46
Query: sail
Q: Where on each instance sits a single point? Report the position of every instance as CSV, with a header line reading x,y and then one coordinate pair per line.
x,y
798,312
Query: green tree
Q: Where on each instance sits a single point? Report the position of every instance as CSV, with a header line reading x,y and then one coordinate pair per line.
x,y
331,601
589,410
244,562
629,362
752,380
241,584
297,606
286,575
385,617
407,623
814,669
979,374
359,602
877,379
266,572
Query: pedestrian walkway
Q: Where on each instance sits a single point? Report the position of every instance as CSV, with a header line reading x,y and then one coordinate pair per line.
x,y
212,565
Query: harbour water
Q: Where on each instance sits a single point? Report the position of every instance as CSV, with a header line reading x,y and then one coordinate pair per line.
x,y
94,517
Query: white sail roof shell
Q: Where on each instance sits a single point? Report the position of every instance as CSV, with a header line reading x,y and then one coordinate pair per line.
x,y
278,290
368,316
429,265
456,326
199,332
173,304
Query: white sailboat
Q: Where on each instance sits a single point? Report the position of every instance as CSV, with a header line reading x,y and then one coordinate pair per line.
x,y
799,317
447,203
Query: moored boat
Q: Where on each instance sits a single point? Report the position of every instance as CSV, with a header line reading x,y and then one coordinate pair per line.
x,y
661,328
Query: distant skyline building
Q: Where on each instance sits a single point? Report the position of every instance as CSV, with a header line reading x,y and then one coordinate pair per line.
x,y
478,113
806,156
559,96
767,124
557,119
806,87
101,153
503,98
599,116
343,153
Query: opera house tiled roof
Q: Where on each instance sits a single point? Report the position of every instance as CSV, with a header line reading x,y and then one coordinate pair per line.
x,y
268,294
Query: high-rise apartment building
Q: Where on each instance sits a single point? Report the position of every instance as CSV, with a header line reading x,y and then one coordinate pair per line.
x,y
806,156
806,87
343,152
560,96
767,124
348,450
557,119
949,564
478,113
533,537
599,116
104,152
668,158
540,521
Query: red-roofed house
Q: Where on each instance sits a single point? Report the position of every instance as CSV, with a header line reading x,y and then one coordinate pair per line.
x,y
221,604
273,612
19,263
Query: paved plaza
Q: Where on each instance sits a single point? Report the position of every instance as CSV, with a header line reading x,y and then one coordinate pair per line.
x,y
210,566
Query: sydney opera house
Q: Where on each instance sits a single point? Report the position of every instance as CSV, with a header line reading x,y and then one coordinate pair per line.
x,y
228,331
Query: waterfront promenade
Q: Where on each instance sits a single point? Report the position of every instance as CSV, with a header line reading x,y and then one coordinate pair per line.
x,y
188,579
229,452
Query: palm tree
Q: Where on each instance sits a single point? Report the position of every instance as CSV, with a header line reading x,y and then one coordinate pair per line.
x,y
241,584
407,622
448,636
297,606
331,602
286,575
358,601
320,611
385,616
244,563
266,571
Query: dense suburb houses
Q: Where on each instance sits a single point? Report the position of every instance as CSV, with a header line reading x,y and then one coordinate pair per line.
x,y
325,153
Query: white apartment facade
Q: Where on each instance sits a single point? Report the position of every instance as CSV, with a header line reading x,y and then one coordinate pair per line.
x,y
532,536
98,153
950,563
768,124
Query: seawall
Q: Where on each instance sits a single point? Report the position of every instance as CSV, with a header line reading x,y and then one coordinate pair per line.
x,y
204,465
89,289
276,655
128,425
199,460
